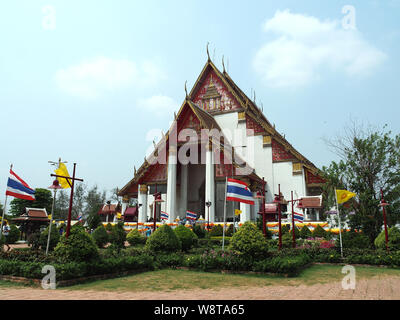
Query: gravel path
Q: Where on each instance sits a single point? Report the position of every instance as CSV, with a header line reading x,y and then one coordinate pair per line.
x,y
386,288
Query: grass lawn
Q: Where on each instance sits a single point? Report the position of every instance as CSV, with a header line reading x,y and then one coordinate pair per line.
x,y
170,280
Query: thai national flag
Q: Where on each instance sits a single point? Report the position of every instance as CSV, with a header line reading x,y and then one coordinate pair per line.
x,y
164,215
238,191
191,215
18,188
299,217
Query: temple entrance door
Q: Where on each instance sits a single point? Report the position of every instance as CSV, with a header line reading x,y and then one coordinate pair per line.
x,y
202,197
196,189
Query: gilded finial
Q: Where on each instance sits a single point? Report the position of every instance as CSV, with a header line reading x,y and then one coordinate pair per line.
x,y
223,64
208,53
186,90
134,169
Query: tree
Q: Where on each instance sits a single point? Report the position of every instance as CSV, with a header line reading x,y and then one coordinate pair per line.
x,y
370,160
78,206
61,205
43,199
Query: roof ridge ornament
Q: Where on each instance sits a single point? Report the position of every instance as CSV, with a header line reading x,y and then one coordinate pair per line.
x,y
186,91
208,53
223,64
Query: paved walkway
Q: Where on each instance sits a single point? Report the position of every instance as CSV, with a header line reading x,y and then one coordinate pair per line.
x,y
386,288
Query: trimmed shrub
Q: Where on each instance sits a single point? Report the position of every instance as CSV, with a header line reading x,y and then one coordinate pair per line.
x,y
229,231
285,265
163,239
79,246
134,237
199,231
109,227
216,231
118,235
187,237
352,239
14,234
54,238
100,236
285,228
305,232
249,241
393,239
319,232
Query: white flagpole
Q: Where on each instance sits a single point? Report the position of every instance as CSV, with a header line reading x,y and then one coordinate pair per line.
x,y
223,229
340,225
51,221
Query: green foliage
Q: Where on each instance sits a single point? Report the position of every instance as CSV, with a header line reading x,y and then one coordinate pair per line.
x,y
118,235
216,231
163,239
285,228
284,265
370,159
259,223
54,238
79,246
100,236
14,234
187,237
353,239
199,231
249,241
134,237
305,232
319,232
287,240
393,239
109,227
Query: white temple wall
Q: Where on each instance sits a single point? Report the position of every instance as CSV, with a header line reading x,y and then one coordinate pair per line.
x,y
283,174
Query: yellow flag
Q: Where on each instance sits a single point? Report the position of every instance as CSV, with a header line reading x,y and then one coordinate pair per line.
x,y
344,195
62,171
49,216
118,215
237,212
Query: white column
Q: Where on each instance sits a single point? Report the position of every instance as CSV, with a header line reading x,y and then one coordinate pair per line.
x,y
317,215
210,183
171,184
246,211
142,199
183,191
125,203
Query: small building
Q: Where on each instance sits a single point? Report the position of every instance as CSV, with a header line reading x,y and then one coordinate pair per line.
x,y
109,211
31,221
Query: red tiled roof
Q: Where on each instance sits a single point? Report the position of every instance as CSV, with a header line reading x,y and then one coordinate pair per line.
x,y
36,213
131,211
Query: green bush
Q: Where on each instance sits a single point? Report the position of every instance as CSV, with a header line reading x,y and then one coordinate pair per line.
x,y
163,239
249,241
14,234
79,246
352,239
287,240
285,265
54,238
259,223
199,231
216,231
393,239
187,237
319,232
100,236
109,227
135,237
285,228
118,235
170,260
229,231
305,232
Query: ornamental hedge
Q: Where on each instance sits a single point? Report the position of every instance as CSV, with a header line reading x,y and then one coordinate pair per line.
x,y
249,241
163,239
186,236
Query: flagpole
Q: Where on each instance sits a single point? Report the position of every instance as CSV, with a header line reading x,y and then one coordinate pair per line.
x,y
51,221
4,210
223,229
340,225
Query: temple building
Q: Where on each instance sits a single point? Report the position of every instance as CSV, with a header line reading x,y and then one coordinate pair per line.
x,y
220,133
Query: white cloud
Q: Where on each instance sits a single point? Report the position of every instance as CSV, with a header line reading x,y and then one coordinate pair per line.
x,y
305,47
158,105
92,78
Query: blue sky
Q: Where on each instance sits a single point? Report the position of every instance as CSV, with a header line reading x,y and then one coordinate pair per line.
x,y
89,81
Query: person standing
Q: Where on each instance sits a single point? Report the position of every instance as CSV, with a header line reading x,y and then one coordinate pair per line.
x,y
6,232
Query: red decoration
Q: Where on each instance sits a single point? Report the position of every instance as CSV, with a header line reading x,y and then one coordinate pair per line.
x,y
252,125
311,178
279,153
